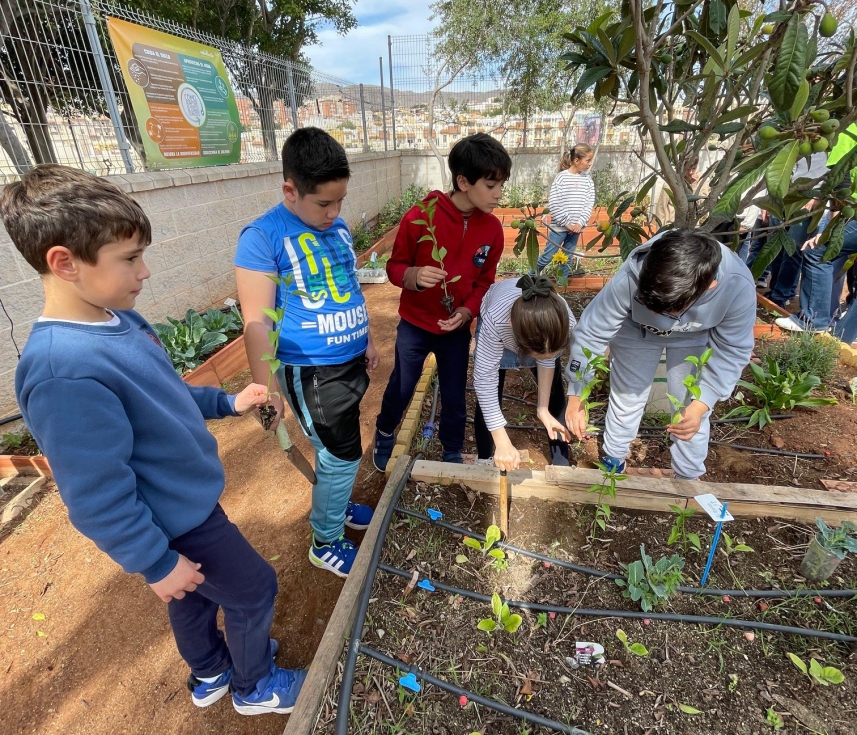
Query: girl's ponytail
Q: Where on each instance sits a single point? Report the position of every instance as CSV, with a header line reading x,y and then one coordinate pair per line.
x,y
539,317
575,153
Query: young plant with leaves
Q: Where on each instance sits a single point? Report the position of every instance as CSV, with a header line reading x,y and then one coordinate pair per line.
x,y
772,87
492,536
188,343
691,382
651,584
818,674
638,649
605,488
438,253
503,618
528,233
679,533
838,541
597,366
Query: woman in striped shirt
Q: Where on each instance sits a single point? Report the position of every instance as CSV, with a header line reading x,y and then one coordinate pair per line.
x,y
523,323
571,199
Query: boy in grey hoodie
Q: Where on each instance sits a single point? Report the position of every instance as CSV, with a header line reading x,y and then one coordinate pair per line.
x,y
682,291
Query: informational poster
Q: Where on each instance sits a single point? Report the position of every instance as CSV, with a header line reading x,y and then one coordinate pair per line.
x,y
182,99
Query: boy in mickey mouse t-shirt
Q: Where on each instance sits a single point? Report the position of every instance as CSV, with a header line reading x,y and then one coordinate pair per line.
x,y
473,240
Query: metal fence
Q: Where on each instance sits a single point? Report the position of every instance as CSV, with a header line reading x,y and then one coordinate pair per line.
x,y
475,101
63,98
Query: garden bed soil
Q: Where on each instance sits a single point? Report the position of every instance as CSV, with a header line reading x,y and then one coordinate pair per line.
x,y
695,679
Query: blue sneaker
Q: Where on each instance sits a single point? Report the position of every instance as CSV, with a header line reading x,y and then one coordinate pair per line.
x,y
452,457
611,463
205,693
336,556
358,516
384,444
277,693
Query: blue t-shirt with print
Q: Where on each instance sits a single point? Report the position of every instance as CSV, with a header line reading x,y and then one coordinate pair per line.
x,y
331,325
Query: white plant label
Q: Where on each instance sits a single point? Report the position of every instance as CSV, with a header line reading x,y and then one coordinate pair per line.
x,y
711,505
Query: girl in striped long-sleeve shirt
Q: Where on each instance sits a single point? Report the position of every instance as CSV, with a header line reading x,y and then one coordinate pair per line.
x,y
571,199
523,323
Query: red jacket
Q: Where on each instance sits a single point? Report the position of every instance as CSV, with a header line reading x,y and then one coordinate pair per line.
x,y
473,250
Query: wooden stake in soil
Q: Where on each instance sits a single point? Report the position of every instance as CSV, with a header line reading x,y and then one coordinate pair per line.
x,y
504,503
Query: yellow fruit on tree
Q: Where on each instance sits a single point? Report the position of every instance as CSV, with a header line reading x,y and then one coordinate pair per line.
x,y
768,29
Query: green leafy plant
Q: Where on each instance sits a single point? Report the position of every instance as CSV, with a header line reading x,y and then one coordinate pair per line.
x,y
514,196
393,211
503,618
638,649
691,382
541,620
730,547
773,718
651,584
609,184
598,367
824,675
187,343
839,540
605,488
229,322
803,352
492,536
733,683
528,235
11,441
679,533
438,253
773,390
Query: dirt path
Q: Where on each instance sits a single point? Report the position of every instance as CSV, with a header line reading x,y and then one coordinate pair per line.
x,y
103,661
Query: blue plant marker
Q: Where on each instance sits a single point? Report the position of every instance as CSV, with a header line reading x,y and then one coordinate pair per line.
x,y
409,681
713,546
435,515
425,585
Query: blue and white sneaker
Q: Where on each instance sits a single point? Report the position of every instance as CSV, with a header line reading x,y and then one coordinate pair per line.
x,y
276,693
383,450
612,464
358,516
336,556
205,693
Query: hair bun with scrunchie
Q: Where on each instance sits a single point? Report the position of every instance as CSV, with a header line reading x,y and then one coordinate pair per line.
x,y
532,287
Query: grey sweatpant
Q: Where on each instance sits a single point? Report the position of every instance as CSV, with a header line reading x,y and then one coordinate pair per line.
x,y
633,362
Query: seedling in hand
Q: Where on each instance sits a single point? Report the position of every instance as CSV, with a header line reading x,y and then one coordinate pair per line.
x,y
437,253
503,618
691,382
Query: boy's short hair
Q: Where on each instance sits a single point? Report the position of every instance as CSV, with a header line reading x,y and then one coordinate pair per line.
x,y
479,156
312,157
56,205
679,267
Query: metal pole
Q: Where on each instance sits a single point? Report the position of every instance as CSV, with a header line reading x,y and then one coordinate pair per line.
x,y
363,115
392,103
383,108
106,84
293,103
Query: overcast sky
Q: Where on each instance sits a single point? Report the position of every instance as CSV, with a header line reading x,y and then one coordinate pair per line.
x,y
354,57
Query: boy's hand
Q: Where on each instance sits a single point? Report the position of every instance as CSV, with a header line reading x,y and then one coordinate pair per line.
x,y
553,426
428,276
691,419
575,417
185,577
373,359
277,402
459,318
253,395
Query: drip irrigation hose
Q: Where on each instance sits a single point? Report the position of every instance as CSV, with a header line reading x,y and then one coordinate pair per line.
x,y
635,615
460,531
471,696
764,450
10,419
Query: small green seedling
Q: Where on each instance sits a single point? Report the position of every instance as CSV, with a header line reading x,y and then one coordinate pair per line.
x,y
598,367
651,584
438,253
679,533
607,487
638,649
839,540
541,620
773,718
510,622
492,536
733,683
691,382
824,675
730,547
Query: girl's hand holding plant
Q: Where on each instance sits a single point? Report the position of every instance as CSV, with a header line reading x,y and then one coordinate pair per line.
x,y
253,395
575,417
553,426
691,418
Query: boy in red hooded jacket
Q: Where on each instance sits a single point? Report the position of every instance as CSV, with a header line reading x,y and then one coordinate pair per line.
x,y
473,239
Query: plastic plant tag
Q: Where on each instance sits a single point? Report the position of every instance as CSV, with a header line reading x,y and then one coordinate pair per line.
x,y
409,681
435,515
586,654
711,505
230,302
424,584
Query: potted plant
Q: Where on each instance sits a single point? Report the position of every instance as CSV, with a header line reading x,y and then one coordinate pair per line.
x,y
827,548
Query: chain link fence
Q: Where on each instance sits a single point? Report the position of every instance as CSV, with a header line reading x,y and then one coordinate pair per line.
x,y
59,79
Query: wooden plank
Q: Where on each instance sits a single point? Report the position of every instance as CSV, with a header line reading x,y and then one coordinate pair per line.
x,y
230,361
644,493
303,718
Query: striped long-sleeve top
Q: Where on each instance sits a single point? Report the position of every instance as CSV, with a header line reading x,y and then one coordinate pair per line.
x,y
571,199
493,336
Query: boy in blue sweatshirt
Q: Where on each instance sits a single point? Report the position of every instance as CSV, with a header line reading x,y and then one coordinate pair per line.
x,y
126,437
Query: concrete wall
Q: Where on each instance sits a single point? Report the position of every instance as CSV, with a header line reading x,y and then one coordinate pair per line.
x,y
196,217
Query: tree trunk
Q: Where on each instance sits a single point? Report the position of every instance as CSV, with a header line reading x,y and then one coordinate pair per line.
x,y
13,147
33,116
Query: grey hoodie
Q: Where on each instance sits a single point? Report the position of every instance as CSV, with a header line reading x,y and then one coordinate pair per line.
x,y
723,318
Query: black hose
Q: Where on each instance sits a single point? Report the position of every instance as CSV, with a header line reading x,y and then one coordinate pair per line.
x,y
10,419
363,605
460,531
471,696
763,450
635,615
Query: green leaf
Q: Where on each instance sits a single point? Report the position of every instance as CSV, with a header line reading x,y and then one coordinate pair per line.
x,y
486,624
678,126
797,662
815,670
425,238
496,605
461,559
497,554
454,279
694,541
732,30
622,636
790,66
639,649
688,710
589,78
271,314
713,54
730,201
512,623
778,175
832,674
472,543
800,100
738,112
492,536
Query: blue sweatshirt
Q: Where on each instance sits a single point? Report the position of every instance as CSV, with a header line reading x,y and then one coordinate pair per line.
x,y
125,437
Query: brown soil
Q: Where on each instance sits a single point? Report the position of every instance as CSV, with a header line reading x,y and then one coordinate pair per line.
x,y
728,680
107,663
